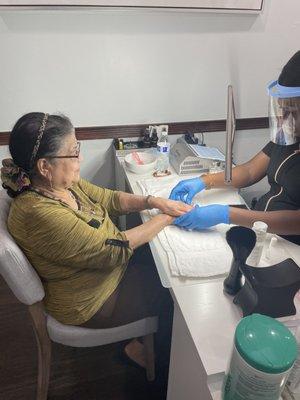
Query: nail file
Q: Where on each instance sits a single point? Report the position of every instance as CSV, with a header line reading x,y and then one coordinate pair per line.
x,y
137,158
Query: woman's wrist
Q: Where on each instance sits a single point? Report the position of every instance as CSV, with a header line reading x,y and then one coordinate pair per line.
x,y
149,202
167,219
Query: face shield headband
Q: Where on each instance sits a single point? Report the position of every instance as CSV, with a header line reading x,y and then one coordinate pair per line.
x,y
284,113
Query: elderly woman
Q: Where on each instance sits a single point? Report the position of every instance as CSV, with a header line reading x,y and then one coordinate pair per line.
x,y
91,274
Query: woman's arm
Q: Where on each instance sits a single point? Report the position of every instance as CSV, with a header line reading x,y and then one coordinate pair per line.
x,y
284,222
146,232
134,203
243,175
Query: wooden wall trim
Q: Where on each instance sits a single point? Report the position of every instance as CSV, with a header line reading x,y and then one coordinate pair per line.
x,y
4,137
122,131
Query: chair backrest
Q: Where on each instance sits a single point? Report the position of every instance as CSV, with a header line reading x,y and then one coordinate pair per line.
x,y
14,266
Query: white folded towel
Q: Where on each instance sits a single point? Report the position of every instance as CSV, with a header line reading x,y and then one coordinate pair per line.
x,y
162,187
194,253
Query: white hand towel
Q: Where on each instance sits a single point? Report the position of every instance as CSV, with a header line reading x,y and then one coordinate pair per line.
x,y
162,187
194,253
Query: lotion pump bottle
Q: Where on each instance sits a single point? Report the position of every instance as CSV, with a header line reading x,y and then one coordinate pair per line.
x,y
260,229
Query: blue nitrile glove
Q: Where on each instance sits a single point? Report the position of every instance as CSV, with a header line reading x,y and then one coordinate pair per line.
x,y
204,217
186,190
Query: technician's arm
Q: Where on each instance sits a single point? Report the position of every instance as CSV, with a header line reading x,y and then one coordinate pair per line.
x,y
243,175
146,232
284,222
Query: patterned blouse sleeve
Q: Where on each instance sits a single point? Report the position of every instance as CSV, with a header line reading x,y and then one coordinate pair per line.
x,y
58,234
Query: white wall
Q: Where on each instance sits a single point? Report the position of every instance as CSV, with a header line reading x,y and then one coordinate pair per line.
x,y
111,67
98,162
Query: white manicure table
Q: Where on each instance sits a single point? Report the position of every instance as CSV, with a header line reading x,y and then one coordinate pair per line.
x,y
204,317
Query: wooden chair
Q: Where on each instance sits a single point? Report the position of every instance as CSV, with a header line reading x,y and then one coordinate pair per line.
x,y
27,287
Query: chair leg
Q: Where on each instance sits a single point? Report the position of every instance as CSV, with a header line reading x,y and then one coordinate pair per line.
x,y
148,342
44,349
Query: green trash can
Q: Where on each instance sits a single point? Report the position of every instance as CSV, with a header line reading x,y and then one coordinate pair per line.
x,y
263,355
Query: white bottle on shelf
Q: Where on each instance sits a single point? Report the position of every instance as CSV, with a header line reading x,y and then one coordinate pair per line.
x,y
163,151
260,229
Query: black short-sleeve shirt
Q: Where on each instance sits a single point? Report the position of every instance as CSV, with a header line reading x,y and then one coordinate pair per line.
x,y
284,178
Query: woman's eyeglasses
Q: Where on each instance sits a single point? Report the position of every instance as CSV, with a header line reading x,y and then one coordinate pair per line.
x,y
76,155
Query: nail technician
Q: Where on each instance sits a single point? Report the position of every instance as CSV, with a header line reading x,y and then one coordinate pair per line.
x,y
279,160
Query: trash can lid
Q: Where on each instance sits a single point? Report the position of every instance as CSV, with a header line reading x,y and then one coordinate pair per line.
x,y
265,343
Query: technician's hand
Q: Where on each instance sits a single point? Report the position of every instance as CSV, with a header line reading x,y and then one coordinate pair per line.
x,y
170,207
186,190
204,217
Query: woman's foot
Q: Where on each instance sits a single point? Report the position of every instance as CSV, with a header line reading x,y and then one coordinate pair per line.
x,y
136,352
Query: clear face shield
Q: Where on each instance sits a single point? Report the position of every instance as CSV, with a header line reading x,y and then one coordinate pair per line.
x,y
284,113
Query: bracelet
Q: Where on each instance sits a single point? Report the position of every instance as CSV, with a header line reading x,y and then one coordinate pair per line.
x,y
148,207
208,181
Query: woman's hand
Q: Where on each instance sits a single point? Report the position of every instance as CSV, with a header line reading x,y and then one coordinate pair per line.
x,y
169,207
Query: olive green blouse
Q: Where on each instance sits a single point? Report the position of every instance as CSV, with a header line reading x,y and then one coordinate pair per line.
x,y
80,256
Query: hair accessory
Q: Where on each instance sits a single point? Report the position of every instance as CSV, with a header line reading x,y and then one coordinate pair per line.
x,y
38,140
14,177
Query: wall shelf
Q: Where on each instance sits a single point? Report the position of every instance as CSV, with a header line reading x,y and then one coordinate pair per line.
x,y
252,6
